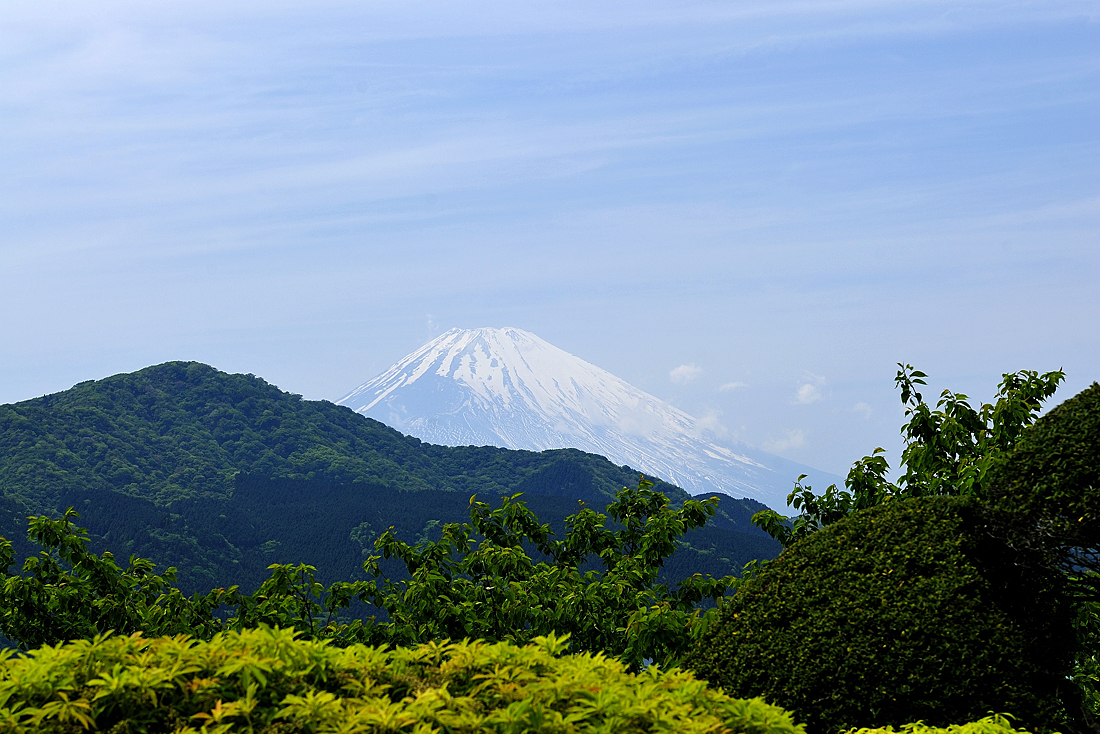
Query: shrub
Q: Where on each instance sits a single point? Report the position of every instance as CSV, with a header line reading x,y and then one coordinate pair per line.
x,y
908,611
266,681
1049,487
1051,481
993,724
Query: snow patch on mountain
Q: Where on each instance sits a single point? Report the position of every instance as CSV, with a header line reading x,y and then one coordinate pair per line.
x,y
507,387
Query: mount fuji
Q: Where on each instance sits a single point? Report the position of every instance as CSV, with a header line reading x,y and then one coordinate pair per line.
x,y
509,388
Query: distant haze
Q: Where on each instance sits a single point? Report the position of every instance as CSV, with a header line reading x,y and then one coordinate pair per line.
x,y
507,387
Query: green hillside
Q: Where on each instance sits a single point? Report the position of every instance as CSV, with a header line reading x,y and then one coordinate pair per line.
x,y
184,430
222,474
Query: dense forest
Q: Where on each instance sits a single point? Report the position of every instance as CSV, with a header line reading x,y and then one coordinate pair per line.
x,y
220,475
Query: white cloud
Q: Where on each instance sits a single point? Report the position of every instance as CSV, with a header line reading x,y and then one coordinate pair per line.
x,y
792,440
863,409
809,391
684,373
808,394
732,386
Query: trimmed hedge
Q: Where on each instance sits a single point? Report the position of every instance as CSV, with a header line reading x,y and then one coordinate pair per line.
x,y
1051,480
266,681
908,611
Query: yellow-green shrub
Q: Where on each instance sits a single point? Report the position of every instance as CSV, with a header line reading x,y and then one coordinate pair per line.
x,y
265,680
994,724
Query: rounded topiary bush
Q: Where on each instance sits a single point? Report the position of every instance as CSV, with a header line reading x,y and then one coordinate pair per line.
x,y
1048,489
909,611
1050,483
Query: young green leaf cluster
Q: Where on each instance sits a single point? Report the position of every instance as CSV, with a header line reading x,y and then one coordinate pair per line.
x,y
493,589
992,724
266,681
949,451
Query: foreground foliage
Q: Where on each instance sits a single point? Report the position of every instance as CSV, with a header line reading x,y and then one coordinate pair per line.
x,y
266,681
949,451
993,724
1049,488
493,589
967,587
1038,480
1050,484
478,581
912,610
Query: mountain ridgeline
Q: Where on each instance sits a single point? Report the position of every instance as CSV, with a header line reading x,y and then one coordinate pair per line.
x,y
223,474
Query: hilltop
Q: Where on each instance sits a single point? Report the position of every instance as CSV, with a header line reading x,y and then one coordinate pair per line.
x,y
182,463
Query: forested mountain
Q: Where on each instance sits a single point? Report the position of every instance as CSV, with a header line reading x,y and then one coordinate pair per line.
x,y
183,429
222,474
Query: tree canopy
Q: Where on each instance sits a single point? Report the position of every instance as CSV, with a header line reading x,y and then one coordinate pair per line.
x,y
949,451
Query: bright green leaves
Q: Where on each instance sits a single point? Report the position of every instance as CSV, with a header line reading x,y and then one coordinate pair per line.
x,y
949,450
499,577
493,589
315,687
992,724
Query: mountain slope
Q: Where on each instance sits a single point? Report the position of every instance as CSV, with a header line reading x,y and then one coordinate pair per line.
x,y
507,387
183,464
184,429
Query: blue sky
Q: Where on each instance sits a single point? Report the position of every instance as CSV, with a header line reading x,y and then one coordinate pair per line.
x,y
750,209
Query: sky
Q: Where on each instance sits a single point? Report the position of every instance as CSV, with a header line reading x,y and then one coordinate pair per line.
x,y
752,210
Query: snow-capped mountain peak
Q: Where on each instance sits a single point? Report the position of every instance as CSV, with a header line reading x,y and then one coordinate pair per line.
x,y
507,387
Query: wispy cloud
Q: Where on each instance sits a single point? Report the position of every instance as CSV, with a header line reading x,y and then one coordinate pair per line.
x,y
684,373
732,386
863,409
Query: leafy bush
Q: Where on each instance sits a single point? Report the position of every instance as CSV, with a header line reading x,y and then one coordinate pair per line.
x,y
67,592
266,681
1051,481
993,724
1049,488
903,612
